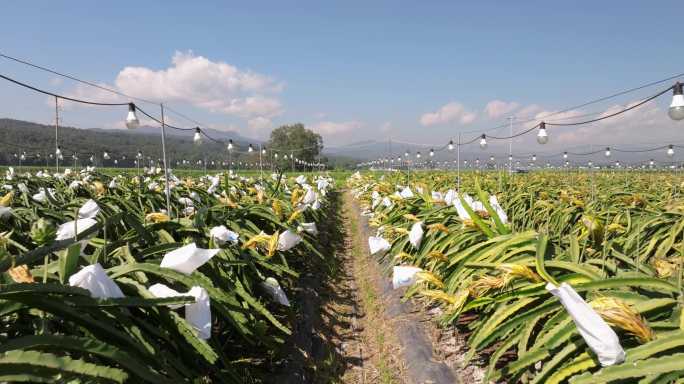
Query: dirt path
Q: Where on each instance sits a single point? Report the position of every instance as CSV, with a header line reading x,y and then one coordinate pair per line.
x,y
352,327
373,345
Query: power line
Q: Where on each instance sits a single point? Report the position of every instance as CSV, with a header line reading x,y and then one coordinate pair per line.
x,y
59,96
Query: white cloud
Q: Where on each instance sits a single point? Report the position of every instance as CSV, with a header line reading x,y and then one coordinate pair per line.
x,y
450,112
213,86
335,128
496,108
259,124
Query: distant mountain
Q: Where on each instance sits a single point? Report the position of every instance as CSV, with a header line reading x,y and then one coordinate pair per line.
x,y
372,150
38,142
214,133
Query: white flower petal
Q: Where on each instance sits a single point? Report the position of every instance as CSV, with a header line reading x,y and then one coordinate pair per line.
x,y
403,276
95,279
378,244
287,240
188,258
596,333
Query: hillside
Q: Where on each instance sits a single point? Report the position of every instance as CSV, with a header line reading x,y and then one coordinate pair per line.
x,y
38,140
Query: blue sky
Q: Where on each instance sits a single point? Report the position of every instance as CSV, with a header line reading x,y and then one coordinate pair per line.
x,y
413,71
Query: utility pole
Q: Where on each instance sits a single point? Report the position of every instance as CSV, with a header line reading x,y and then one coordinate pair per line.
x,y
166,166
510,145
56,133
458,163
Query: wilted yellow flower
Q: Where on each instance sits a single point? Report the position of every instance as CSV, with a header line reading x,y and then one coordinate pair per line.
x,y
257,239
594,227
402,231
99,188
273,244
21,274
260,196
4,239
157,217
469,223
188,182
620,314
297,194
564,196
429,277
294,216
517,270
277,208
455,302
486,283
635,200
6,200
225,200
411,217
437,255
438,227
663,267
402,256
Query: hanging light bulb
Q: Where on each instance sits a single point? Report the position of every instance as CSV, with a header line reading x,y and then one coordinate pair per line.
x,y
590,163
567,163
406,154
105,155
651,162
285,157
418,155
432,152
617,164
263,150
483,142
197,138
465,162
607,151
23,156
250,149
542,136
451,145
510,157
116,161
398,158
91,159
275,155
477,161
491,158
534,157
139,155
676,111
670,150
565,155
230,144
132,121
58,151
